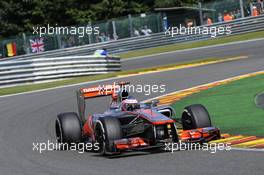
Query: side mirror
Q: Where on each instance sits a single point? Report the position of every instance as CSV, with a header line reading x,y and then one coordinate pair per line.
x,y
155,103
150,104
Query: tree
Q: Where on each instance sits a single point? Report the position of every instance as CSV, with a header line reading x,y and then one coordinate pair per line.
x,y
107,9
17,16
173,3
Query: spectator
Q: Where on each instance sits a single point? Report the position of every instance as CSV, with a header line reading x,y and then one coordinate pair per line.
x,y
190,23
234,14
63,44
146,31
248,10
108,38
71,42
97,39
237,14
255,11
261,5
209,21
103,37
220,17
227,17
136,32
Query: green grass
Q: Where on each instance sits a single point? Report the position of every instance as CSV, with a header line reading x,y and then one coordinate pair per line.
x,y
82,79
231,106
189,45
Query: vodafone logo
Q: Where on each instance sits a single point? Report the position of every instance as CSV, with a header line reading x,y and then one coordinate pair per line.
x,y
87,90
100,89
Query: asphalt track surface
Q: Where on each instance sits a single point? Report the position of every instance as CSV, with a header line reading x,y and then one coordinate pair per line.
x,y
246,48
29,118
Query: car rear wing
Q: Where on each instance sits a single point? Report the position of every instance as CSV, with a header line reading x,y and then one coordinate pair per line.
x,y
95,91
98,91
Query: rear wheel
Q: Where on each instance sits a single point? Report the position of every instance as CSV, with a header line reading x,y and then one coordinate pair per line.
x,y
195,116
68,128
108,129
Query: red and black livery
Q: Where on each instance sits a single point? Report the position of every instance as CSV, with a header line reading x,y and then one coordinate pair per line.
x,y
117,131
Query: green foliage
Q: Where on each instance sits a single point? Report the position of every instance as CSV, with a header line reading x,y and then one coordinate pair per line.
x,y
231,106
167,3
173,3
17,16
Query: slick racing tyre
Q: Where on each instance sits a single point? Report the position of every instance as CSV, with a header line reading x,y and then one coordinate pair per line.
x,y
68,128
195,116
107,130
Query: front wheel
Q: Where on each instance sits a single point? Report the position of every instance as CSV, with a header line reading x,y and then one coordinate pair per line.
x,y
107,130
195,116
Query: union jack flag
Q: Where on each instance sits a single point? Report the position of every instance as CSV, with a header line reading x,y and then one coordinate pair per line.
x,y
37,45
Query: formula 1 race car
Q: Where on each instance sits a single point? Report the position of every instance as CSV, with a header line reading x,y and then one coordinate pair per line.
x,y
130,126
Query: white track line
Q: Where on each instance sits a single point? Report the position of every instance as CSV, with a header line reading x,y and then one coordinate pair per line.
x,y
59,87
247,149
192,49
227,79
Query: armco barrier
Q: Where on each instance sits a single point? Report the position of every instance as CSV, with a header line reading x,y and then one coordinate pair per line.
x,y
239,26
41,69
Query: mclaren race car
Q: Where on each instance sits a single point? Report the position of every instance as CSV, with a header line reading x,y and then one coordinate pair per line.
x,y
129,125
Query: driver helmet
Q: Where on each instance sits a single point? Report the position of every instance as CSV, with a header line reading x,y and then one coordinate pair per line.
x,y
114,96
130,104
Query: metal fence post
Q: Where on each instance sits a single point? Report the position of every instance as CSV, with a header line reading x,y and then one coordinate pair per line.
x,y
89,36
58,41
242,9
25,44
114,30
130,25
200,13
